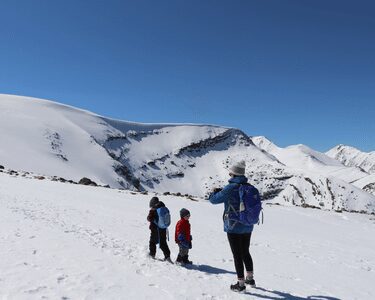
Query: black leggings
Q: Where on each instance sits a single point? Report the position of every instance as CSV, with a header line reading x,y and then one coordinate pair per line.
x,y
159,236
240,243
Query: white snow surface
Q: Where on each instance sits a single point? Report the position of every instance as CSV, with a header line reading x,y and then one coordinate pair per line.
x,y
65,241
44,137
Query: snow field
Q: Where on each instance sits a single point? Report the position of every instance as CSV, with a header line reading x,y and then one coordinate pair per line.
x,y
63,241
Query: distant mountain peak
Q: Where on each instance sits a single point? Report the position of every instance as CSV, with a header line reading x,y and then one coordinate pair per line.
x,y
353,157
264,143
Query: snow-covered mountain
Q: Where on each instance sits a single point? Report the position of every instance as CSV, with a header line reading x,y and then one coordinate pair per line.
x,y
54,139
353,157
49,138
306,159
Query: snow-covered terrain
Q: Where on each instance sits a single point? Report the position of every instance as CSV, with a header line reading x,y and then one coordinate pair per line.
x,y
52,139
306,159
351,156
66,241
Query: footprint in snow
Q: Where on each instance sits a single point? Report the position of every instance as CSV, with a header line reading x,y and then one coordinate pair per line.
x,y
38,289
61,278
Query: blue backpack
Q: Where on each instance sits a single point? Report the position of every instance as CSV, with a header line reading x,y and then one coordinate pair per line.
x,y
164,217
250,205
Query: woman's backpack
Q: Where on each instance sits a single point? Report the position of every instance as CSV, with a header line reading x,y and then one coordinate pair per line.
x,y
250,205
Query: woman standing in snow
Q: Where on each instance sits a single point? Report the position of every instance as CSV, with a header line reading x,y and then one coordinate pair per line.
x,y
238,234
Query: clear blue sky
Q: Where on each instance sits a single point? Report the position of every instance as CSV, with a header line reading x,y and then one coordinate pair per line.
x,y
295,71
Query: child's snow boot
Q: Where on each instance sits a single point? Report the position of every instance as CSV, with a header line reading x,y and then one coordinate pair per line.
x,y
186,260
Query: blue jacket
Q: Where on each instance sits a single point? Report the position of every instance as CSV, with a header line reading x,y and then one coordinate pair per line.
x,y
230,195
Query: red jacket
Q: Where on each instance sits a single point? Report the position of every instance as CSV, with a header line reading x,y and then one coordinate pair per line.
x,y
182,230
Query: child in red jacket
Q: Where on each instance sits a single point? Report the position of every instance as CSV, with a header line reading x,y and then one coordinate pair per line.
x,y
183,237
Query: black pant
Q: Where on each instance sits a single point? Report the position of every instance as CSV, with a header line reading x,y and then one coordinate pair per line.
x,y
240,243
159,236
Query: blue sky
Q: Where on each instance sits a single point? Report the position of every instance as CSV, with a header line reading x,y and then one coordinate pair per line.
x,y
295,71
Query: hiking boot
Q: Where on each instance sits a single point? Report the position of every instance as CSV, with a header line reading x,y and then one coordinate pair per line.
x,y
250,281
179,259
237,287
186,260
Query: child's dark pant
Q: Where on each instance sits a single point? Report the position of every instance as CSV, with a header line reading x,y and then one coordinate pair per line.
x,y
183,251
159,236
240,243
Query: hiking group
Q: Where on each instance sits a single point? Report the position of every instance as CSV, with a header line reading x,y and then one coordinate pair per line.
x,y
242,207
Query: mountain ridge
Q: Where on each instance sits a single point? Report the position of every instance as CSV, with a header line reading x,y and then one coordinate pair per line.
x,y
181,158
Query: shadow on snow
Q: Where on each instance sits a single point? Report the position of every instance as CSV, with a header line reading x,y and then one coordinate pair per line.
x,y
208,269
285,296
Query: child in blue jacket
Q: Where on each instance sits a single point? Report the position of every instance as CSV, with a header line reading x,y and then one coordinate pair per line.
x,y
158,235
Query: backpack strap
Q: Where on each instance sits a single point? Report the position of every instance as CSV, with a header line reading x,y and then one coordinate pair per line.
x,y
156,217
230,206
229,210
262,217
158,236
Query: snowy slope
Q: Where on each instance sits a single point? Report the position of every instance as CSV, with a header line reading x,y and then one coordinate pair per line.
x,y
367,184
65,241
351,156
321,176
52,139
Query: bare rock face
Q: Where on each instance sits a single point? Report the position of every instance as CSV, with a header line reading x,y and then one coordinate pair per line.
x,y
87,181
370,188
